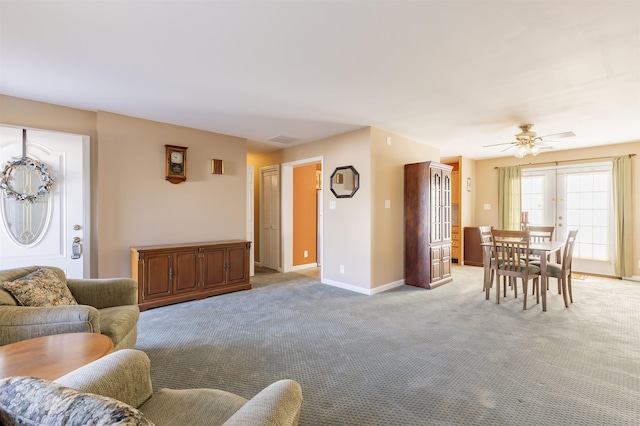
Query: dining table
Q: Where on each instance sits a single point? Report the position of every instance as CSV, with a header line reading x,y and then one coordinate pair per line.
x,y
542,249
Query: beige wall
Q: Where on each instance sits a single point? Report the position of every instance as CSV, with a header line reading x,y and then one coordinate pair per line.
x,y
132,203
387,225
467,171
486,179
139,207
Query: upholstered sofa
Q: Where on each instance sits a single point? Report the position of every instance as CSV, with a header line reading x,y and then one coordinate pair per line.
x,y
107,306
117,389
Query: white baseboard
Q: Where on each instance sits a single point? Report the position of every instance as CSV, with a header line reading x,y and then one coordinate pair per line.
x,y
632,278
307,266
367,291
388,286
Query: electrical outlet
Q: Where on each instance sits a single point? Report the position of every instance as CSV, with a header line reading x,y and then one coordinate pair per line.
x,y
306,253
342,269
387,204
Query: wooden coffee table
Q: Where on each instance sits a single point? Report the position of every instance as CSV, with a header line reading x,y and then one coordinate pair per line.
x,y
51,357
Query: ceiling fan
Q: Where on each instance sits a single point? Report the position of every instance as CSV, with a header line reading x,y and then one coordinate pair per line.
x,y
528,142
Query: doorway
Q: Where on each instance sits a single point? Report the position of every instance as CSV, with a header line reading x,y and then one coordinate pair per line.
x,y
287,212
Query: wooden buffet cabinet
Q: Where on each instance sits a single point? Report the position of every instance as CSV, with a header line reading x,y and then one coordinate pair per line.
x,y
473,253
176,273
427,209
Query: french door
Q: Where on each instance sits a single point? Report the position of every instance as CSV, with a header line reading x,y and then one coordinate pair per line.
x,y
575,197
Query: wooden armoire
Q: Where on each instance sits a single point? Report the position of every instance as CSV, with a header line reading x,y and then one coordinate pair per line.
x,y
427,236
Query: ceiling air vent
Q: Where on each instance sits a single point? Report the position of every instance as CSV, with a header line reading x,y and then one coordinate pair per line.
x,y
283,139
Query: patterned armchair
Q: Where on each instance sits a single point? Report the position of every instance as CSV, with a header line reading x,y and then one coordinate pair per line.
x,y
107,306
117,389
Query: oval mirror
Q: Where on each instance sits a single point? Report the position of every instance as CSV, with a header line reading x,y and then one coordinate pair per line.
x,y
345,181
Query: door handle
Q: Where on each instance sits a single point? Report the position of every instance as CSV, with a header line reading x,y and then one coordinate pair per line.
x,y
76,248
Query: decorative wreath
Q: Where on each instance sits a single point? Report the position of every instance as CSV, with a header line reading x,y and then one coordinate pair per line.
x,y
7,176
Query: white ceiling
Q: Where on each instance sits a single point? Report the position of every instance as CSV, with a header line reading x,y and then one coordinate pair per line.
x,y
453,74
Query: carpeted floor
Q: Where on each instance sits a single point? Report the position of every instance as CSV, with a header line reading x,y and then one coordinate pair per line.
x,y
411,356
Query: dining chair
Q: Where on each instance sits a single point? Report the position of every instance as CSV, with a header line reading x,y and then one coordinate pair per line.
x,y
562,271
507,250
485,237
539,234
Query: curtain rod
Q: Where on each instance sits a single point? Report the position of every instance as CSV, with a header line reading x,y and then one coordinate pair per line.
x,y
567,161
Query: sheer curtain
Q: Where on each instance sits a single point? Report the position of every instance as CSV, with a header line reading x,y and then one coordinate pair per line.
x,y
509,197
622,199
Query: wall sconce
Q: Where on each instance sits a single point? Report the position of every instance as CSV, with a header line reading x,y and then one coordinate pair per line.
x,y
217,167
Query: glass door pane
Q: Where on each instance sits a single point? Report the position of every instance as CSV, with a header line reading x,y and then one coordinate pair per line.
x,y
538,196
585,203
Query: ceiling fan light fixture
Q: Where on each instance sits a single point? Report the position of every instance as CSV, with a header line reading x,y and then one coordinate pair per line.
x,y
527,141
522,151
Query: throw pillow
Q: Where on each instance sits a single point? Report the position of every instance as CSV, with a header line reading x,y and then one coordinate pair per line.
x,y
40,288
31,401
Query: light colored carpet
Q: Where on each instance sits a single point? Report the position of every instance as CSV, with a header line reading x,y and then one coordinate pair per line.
x,y
411,356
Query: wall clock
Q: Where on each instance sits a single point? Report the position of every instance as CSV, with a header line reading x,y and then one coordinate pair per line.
x,y
176,163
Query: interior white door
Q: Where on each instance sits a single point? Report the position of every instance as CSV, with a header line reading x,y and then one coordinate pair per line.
x,y
250,220
23,242
270,217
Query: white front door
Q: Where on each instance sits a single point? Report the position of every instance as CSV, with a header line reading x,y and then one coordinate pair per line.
x,y
44,232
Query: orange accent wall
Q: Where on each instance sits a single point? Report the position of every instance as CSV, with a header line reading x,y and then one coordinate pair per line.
x,y
305,210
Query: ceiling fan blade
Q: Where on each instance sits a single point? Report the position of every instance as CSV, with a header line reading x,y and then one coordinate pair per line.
x,y
508,148
497,144
559,135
